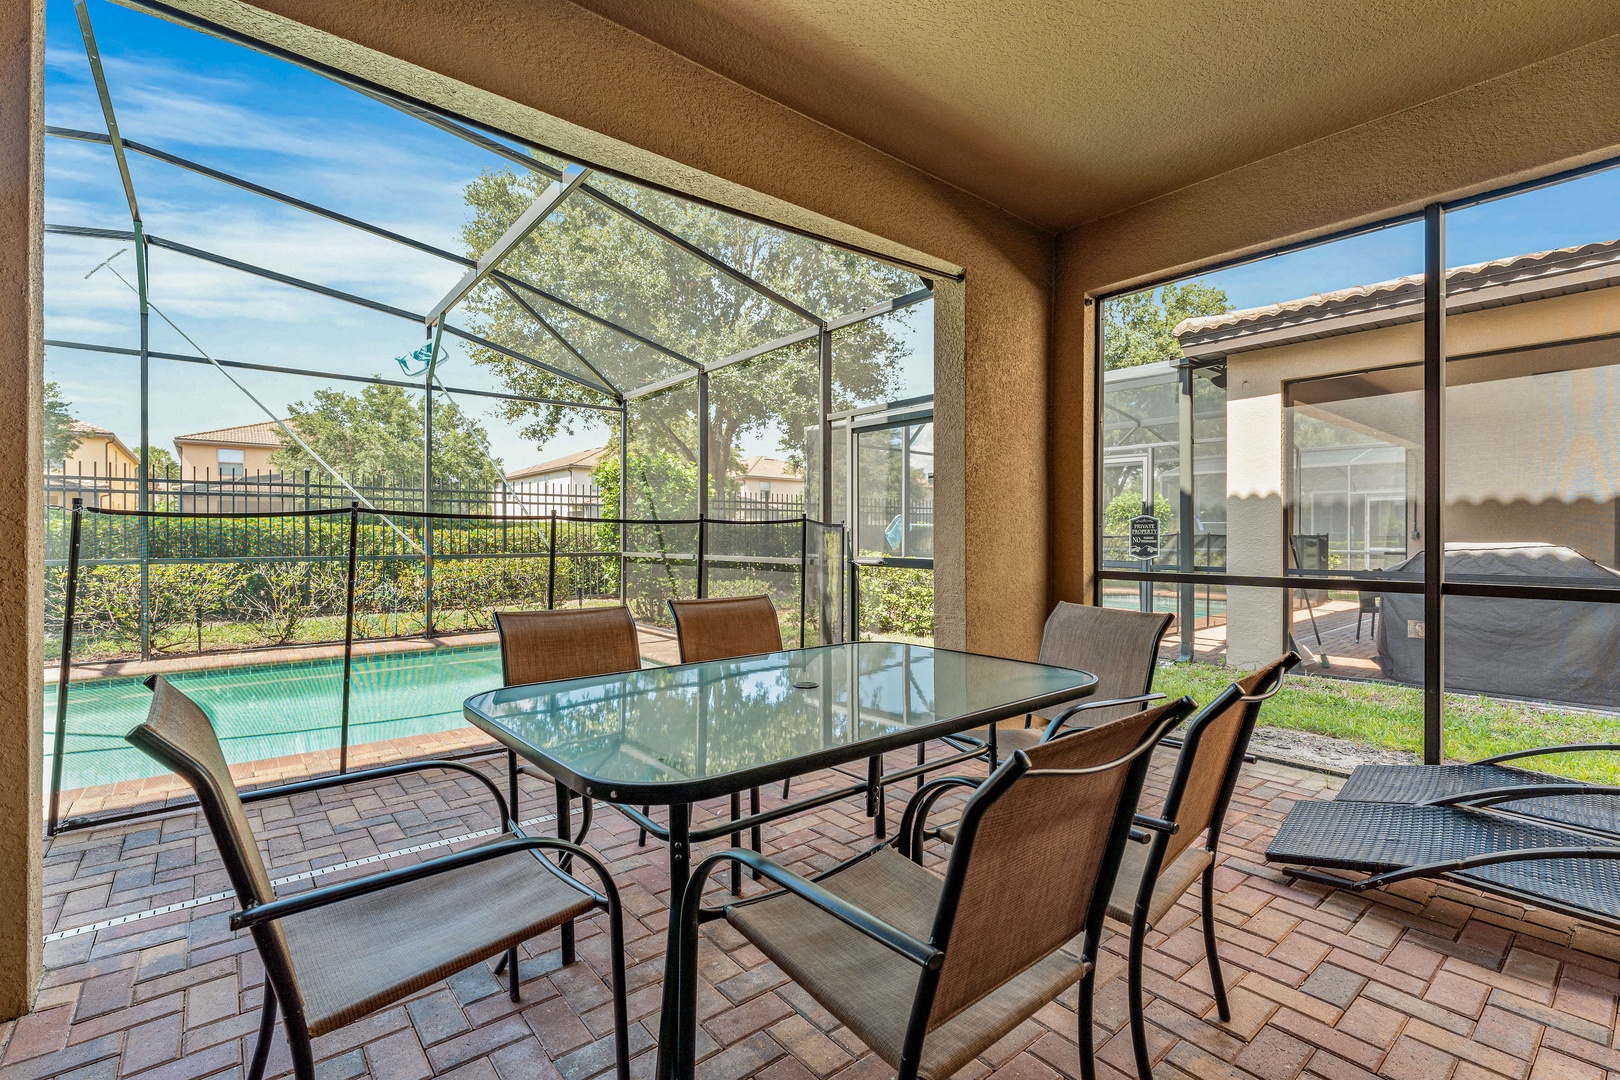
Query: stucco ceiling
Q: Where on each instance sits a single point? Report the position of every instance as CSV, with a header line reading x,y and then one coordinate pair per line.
x,y
1062,112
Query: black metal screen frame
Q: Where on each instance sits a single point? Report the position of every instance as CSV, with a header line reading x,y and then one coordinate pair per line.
x,y
54,822
1434,585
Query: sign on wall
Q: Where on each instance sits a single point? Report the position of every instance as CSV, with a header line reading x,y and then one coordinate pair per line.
x,y
1145,537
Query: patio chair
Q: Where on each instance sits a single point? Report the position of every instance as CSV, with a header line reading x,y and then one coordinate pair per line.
x,y
1539,795
333,955
930,971
1118,646
721,628
562,643
1155,874
1462,837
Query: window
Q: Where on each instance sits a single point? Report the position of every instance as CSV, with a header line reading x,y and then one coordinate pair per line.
x,y
232,462
1301,386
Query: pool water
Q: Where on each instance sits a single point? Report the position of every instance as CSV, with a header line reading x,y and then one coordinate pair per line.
x,y
264,711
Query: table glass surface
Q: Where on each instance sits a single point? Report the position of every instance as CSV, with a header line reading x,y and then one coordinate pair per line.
x,y
692,722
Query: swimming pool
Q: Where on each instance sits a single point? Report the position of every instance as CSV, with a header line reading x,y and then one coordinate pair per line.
x,y
264,711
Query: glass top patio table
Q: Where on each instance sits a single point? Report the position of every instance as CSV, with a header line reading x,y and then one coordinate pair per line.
x,y
690,732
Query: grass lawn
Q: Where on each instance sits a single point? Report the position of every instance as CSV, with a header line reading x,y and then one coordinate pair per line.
x,y
1390,717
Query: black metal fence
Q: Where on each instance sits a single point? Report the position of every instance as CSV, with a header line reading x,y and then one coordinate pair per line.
x,y
137,584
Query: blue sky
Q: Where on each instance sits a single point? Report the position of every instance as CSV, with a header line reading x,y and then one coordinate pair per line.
x,y
286,128
280,125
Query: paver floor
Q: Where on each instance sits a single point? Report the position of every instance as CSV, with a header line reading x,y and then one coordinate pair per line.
x,y
1433,984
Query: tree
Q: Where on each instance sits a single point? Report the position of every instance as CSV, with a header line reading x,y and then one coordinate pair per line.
x,y
1139,328
160,462
607,264
60,438
375,436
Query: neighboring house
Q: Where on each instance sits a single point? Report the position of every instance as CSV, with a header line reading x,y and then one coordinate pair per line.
x,y
1323,421
101,470
569,471
99,453
761,477
228,452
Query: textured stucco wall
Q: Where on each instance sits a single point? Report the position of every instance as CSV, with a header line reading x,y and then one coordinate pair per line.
x,y
22,56
597,92
1551,115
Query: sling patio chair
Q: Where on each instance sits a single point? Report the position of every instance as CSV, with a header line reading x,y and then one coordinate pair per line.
x,y
1155,874
1463,837
562,643
1158,869
1539,795
333,955
723,628
929,970
1118,646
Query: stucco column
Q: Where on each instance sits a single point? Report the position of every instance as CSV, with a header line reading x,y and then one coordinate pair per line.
x,y
950,465
1254,518
22,76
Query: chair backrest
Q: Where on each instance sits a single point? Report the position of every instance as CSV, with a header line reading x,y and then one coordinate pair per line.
x,y
1118,646
1211,755
178,734
568,643
726,626
1036,853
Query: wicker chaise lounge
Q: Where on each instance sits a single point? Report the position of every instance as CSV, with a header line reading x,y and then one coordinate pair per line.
x,y
1542,796
1574,872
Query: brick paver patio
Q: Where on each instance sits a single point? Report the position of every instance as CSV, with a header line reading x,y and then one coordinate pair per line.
x,y
1435,984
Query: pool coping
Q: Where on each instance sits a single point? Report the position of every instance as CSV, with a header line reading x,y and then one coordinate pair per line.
x,y
111,669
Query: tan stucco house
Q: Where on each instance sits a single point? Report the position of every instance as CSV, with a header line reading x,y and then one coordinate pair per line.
x,y
1324,421
243,450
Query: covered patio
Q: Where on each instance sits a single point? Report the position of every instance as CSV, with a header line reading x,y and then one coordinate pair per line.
x,y
142,976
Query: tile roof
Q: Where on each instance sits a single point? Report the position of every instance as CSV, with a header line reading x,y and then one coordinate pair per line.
x,y
267,433
582,459
1518,279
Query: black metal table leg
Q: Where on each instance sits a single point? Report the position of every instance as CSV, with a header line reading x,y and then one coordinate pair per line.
x,y
874,797
670,1053
736,841
512,786
565,824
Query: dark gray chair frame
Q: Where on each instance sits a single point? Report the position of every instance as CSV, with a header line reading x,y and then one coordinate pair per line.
x,y
280,979
928,955
1158,839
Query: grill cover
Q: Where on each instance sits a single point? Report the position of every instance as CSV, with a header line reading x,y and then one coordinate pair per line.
x,y
1547,650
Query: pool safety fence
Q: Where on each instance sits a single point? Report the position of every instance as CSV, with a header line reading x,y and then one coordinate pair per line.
x,y
146,581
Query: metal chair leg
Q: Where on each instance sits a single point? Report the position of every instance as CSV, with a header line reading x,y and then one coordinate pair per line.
x,y
1211,954
267,1028
1088,1061
1144,1068
303,1057
512,974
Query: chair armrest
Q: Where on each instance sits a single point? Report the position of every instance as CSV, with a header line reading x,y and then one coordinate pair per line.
x,y
1575,748
915,818
1068,714
1491,796
1491,858
284,906
321,783
886,934
1146,821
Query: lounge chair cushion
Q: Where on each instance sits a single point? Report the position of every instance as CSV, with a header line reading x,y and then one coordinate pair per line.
x,y
358,955
870,988
1174,881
